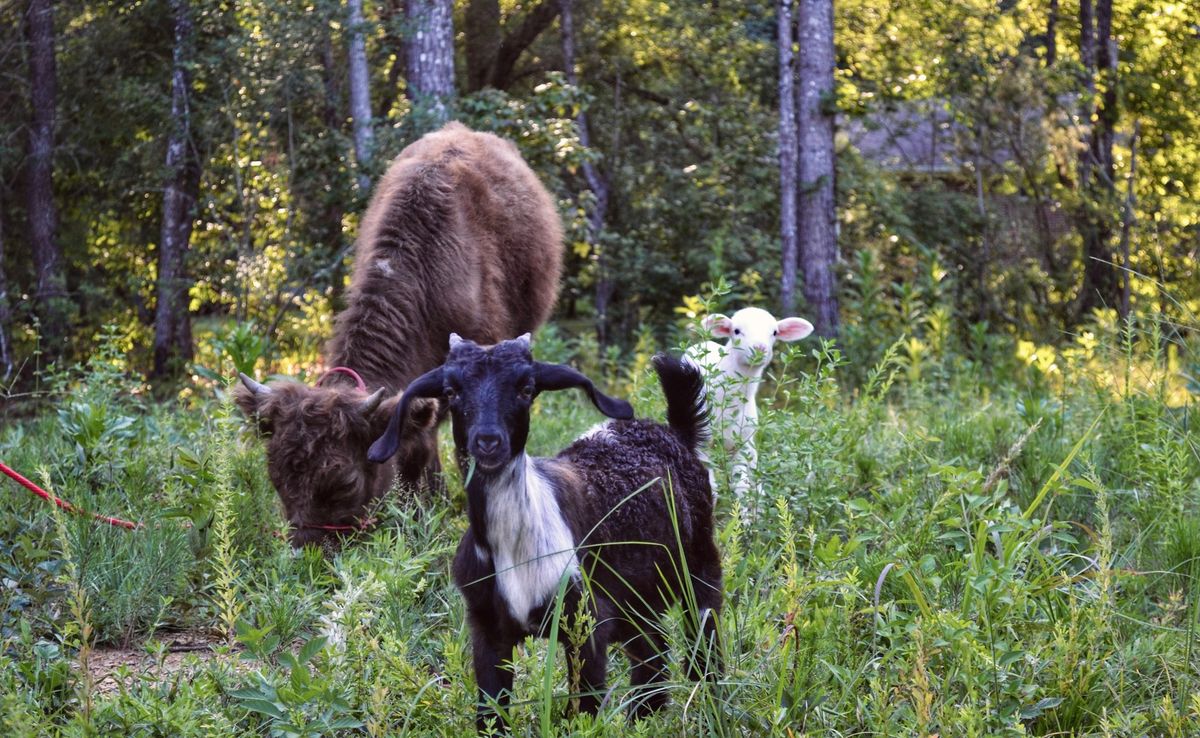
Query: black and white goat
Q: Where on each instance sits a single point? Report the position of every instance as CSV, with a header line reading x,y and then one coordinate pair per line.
x,y
624,513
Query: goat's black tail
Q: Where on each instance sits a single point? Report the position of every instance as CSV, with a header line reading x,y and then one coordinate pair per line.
x,y
687,408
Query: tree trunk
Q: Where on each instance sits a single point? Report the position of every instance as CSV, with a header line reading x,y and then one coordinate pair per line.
x,y
597,182
788,150
1052,34
360,94
172,322
431,57
816,210
482,30
50,294
329,222
1087,61
1127,221
1100,283
492,54
519,39
393,44
6,357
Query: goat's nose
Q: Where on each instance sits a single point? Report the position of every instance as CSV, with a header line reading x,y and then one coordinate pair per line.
x,y
487,442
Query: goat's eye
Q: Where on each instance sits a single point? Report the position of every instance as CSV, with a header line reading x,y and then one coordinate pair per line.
x,y
526,393
451,395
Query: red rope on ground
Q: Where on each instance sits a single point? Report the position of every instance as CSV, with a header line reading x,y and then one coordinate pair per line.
x,y
16,477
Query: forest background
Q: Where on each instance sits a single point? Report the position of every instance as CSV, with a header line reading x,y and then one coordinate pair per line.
x,y
980,503
1018,167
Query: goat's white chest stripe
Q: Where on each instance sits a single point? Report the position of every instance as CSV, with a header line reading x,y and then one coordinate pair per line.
x,y
531,543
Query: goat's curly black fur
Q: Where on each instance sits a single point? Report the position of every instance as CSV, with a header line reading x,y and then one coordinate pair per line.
x,y
637,501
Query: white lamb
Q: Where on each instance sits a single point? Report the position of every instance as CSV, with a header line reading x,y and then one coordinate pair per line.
x,y
732,374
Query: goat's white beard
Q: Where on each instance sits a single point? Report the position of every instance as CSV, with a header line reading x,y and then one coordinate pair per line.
x,y
531,544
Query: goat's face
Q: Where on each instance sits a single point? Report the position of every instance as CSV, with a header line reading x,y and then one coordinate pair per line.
x,y
490,390
317,440
752,333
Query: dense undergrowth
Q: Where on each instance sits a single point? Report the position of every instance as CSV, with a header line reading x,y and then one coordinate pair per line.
x,y
989,539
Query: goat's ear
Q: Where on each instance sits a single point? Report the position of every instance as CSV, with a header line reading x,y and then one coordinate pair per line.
x,y
426,385
549,377
793,329
718,325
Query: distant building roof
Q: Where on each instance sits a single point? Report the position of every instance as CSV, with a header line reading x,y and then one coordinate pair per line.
x,y
914,136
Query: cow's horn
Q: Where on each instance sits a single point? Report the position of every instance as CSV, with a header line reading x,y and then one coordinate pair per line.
x,y
258,388
369,405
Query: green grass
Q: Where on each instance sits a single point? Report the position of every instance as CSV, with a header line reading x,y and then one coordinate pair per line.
x,y
946,544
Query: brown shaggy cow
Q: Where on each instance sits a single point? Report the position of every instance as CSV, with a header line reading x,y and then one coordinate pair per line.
x,y
460,237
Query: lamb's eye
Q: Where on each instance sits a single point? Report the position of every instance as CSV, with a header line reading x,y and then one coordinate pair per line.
x,y
737,331
776,332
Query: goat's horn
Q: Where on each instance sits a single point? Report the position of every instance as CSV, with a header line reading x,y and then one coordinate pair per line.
x,y
258,388
455,339
525,338
369,405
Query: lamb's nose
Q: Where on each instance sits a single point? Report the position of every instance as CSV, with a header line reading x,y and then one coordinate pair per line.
x,y
760,347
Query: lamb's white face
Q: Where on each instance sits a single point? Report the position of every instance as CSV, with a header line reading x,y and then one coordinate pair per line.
x,y
752,333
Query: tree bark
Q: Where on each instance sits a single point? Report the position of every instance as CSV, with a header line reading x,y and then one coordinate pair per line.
x,y
597,182
360,94
393,44
172,321
50,294
816,206
1052,34
788,154
483,37
6,357
492,54
431,57
1100,282
1087,62
519,39
1127,221
329,222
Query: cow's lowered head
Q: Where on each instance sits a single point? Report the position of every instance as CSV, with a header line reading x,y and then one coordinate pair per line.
x,y
317,440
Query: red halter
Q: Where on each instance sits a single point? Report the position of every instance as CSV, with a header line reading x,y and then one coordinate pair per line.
x,y
345,370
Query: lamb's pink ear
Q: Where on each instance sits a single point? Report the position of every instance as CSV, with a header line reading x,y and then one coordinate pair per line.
x,y
718,325
793,329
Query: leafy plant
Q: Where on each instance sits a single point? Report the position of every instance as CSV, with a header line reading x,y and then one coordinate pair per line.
x,y
300,701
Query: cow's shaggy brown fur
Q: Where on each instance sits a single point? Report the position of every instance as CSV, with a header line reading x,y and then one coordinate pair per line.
x,y
460,237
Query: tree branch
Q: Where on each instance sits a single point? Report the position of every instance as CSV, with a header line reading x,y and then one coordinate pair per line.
x,y
521,38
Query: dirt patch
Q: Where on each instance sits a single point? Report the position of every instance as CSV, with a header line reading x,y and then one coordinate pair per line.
x,y
184,655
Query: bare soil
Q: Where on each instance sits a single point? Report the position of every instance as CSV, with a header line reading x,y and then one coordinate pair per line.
x,y
185,654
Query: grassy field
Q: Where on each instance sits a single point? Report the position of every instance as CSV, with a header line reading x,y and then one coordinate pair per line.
x,y
1002,540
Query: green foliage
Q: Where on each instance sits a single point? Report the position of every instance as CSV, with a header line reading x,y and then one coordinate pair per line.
x,y
926,555
979,507
303,702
